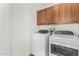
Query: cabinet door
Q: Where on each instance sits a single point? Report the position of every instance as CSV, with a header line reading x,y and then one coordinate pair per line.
x,y
64,13
50,15
75,12
56,13
68,13
42,17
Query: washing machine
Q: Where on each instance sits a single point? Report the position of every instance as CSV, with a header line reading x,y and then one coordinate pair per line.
x,y
40,44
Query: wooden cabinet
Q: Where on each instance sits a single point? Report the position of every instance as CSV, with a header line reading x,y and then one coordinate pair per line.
x,y
55,13
64,13
75,13
68,13
45,16
59,14
42,17
50,15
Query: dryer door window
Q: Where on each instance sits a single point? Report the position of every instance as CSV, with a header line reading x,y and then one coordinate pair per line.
x,y
61,50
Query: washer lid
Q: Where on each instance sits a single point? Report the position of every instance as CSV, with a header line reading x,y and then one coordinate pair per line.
x,y
43,31
64,32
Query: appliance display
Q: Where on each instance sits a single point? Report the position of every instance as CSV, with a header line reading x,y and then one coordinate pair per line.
x,y
63,45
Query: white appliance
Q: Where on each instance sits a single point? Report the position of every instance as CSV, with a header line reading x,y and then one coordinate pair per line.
x,y
63,45
40,44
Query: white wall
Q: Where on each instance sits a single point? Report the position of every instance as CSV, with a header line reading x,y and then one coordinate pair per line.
x,y
4,29
72,27
20,29
69,27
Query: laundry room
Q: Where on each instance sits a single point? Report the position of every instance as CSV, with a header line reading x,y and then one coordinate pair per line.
x,y
39,29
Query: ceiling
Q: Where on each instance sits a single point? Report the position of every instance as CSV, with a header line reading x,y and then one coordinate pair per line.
x,y
32,6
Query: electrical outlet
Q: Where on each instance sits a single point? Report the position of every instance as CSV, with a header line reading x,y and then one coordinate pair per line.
x,y
52,29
